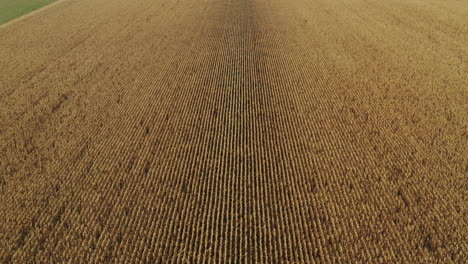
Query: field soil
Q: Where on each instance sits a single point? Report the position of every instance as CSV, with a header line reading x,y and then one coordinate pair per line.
x,y
213,131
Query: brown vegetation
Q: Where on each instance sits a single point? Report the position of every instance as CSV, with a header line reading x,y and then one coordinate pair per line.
x,y
219,130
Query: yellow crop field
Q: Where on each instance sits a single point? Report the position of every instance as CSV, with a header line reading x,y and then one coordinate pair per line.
x,y
235,131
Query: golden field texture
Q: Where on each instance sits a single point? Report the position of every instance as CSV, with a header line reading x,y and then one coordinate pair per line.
x,y
213,131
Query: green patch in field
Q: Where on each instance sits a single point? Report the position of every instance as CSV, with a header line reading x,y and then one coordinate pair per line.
x,y
11,9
